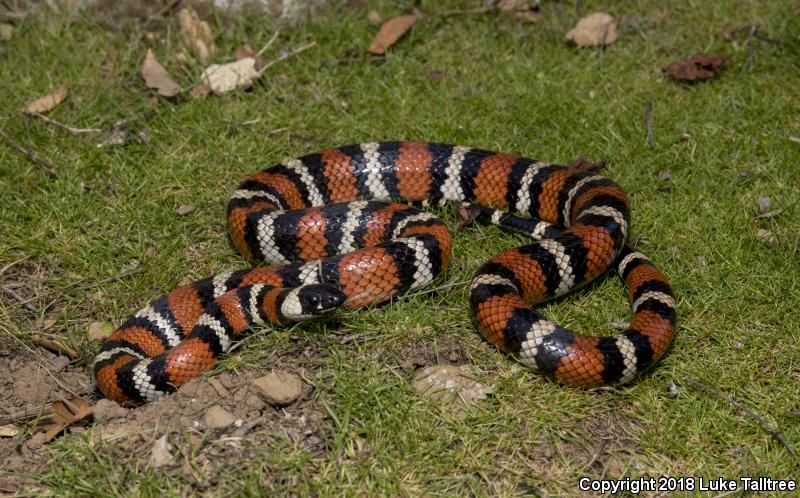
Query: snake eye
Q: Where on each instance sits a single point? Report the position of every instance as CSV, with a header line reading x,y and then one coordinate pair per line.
x,y
318,299
310,301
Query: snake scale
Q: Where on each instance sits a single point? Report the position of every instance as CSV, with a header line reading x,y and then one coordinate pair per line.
x,y
331,224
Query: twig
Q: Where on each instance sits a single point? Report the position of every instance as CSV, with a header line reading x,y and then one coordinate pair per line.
x,y
777,434
268,44
21,301
455,12
286,56
25,414
648,121
44,165
794,139
62,125
55,346
118,276
751,49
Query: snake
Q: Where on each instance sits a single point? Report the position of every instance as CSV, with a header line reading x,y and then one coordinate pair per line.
x,y
348,228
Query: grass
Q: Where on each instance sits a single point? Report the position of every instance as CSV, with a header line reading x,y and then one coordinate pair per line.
x,y
507,85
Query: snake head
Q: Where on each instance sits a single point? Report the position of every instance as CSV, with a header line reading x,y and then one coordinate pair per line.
x,y
309,301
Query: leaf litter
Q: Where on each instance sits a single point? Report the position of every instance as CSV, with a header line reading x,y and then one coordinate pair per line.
x,y
391,31
157,78
48,102
698,67
596,29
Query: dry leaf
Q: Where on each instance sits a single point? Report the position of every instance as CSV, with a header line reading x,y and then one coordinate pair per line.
x,y
6,31
156,77
66,413
764,204
697,67
223,78
161,452
9,430
390,32
244,52
200,91
527,10
184,209
765,236
585,164
48,102
197,34
593,30
374,17
99,331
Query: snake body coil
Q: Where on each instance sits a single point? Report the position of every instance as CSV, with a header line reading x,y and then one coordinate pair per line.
x,y
324,218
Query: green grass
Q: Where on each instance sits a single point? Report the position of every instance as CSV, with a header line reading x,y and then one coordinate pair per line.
x,y
509,86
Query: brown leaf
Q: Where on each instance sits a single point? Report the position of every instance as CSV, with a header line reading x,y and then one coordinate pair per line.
x,y
697,67
594,30
585,164
243,52
247,52
65,414
390,32
157,78
765,236
48,102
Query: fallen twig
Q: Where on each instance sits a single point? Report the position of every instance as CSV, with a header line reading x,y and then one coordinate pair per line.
x,y
62,125
648,121
33,156
21,301
24,415
794,139
268,44
286,56
777,434
55,346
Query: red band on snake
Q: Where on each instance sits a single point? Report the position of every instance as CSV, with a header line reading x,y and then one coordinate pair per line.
x,y
326,220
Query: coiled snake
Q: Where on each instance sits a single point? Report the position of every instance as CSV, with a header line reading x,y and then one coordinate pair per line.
x,y
324,219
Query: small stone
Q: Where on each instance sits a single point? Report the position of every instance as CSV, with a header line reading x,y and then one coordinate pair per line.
x,y
452,386
9,430
106,410
221,390
99,331
185,209
764,203
161,453
673,390
36,441
279,388
218,418
664,175
255,402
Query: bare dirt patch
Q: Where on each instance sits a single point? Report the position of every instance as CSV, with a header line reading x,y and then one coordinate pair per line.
x,y
30,379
